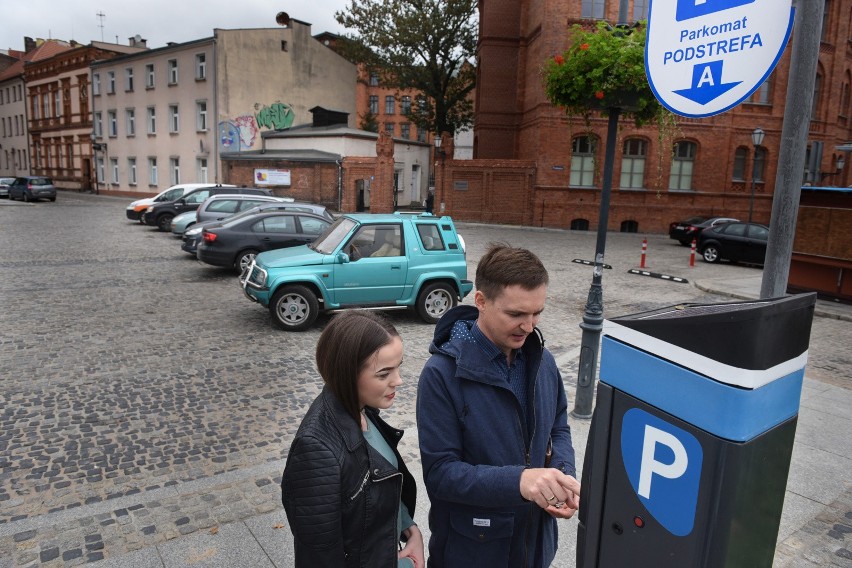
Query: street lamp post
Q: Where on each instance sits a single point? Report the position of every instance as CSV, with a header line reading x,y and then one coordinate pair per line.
x,y
440,189
756,139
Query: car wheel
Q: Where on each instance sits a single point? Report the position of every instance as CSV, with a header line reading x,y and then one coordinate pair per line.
x,y
711,253
52,199
244,259
294,308
164,221
435,300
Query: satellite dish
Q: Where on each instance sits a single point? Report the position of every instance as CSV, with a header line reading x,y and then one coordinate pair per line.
x,y
137,38
283,19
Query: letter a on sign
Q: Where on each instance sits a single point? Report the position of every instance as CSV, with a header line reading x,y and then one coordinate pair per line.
x,y
704,57
663,464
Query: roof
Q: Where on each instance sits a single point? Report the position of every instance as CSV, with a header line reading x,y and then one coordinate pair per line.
x,y
283,155
311,131
46,50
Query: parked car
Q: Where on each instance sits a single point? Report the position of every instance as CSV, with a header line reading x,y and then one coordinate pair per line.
x,y
688,230
388,261
218,208
182,222
192,236
137,208
160,215
737,242
4,186
236,243
30,188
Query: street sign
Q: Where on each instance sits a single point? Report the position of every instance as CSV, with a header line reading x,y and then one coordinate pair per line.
x,y
704,57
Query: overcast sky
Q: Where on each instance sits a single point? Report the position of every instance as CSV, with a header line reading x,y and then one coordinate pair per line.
x,y
158,21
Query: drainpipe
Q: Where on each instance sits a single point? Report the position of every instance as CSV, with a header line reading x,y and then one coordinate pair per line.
x,y
340,185
216,178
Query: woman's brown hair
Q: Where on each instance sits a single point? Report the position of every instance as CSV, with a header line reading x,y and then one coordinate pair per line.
x,y
343,349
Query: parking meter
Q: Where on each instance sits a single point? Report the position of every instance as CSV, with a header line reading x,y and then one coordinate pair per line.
x,y
692,434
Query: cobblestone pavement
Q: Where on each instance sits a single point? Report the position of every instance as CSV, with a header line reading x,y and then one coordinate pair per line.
x,y
143,398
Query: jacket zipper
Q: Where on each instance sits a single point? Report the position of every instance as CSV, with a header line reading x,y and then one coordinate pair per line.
x,y
532,436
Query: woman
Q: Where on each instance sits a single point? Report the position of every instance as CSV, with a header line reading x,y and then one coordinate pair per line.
x,y
348,496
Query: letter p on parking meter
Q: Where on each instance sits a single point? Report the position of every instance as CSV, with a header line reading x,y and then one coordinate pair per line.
x,y
692,435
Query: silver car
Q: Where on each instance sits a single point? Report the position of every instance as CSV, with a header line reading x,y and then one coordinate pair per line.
x,y
4,186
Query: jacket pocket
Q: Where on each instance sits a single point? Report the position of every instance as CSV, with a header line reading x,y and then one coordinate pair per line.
x,y
479,540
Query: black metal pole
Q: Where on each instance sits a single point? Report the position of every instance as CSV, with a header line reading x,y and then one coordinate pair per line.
x,y
753,181
593,314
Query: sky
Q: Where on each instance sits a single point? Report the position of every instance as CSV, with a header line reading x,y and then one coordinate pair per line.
x,y
158,21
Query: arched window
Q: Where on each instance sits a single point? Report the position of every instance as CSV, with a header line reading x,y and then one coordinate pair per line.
x,y
579,224
817,89
683,160
740,158
630,226
759,163
633,164
582,162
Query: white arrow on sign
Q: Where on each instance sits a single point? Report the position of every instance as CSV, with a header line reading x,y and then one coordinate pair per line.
x,y
703,57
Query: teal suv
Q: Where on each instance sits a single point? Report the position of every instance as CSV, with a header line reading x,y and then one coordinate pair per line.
x,y
363,261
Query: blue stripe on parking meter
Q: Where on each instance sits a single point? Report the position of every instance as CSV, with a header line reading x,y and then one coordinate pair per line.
x,y
663,463
687,9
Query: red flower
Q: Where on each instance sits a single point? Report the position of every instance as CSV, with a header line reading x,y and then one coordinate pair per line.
x,y
599,95
584,46
559,60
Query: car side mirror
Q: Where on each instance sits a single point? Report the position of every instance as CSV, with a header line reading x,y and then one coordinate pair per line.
x,y
342,258
180,201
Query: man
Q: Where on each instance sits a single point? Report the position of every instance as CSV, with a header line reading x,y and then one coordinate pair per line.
x,y
493,425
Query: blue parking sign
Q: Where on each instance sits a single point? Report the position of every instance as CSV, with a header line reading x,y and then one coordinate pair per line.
x,y
663,463
687,9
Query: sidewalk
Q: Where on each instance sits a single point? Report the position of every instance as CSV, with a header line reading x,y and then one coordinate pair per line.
x,y
816,526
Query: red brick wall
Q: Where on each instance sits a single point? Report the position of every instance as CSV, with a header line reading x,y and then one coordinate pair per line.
x,y
316,182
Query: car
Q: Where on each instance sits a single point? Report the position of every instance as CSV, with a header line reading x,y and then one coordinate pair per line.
x,y
218,208
687,231
5,182
383,261
192,236
736,242
235,243
137,208
160,215
182,222
30,188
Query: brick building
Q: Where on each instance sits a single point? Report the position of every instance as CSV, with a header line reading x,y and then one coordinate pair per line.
x,y
712,163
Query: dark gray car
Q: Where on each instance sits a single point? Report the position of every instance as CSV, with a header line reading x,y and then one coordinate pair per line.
x,y
32,188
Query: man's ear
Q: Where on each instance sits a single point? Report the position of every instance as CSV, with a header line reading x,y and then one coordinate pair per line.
x,y
479,300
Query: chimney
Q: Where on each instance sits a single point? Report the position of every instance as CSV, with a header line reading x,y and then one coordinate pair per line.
x,y
138,41
29,44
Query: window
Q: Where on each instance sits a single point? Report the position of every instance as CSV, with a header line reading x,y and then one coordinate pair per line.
x,y
582,162
174,119
152,120
223,206
173,71
110,82
131,171
99,166
389,104
174,171
374,104
430,236
405,130
579,224
276,224
389,128
763,95
99,125
630,226
740,157
112,123
759,163
633,164
152,171
201,67
128,79
34,106
374,79
682,165
421,135
640,10
149,76
405,105
113,166
45,101
817,88
57,103
593,9
311,226
130,120
202,170
201,116
69,156
96,84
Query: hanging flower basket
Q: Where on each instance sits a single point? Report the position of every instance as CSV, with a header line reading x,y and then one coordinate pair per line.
x,y
602,69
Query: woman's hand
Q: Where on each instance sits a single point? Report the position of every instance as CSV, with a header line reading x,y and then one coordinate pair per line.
x,y
413,549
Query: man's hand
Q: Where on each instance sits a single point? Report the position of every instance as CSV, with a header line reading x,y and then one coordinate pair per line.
x,y
552,490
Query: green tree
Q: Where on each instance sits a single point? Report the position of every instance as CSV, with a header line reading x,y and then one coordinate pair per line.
x,y
422,45
369,122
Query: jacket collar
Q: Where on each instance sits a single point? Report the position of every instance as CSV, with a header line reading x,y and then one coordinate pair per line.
x,y
349,430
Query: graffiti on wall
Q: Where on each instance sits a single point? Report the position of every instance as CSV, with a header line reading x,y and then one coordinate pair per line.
x,y
240,134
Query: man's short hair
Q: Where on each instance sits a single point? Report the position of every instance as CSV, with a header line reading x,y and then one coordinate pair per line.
x,y
503,265
345,346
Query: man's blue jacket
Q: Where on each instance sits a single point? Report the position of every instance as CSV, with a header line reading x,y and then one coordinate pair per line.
x,y
474,445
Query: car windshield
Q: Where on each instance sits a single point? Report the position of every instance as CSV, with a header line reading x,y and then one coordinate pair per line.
x,y
331,238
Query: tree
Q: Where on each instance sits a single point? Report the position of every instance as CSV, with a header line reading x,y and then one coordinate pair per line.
x,y
420,45
369,122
